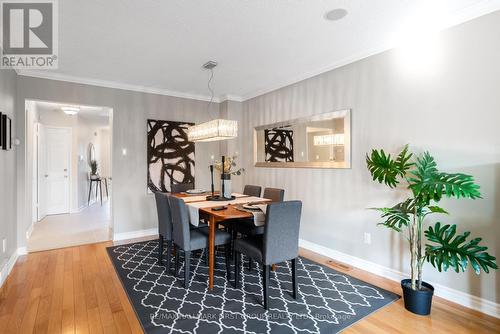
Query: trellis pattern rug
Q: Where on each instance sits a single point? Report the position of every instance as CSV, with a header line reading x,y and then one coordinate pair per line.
x,y
327,302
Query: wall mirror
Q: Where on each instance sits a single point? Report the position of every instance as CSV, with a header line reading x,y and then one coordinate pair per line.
x,y
319,141
90,153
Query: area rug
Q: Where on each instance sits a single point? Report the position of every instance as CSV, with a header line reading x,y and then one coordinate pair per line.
x,y
328,301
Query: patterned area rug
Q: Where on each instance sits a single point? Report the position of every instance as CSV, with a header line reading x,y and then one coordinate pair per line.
x,y
328,301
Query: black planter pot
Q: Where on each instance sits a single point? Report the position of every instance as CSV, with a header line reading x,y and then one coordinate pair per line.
x,y
418,302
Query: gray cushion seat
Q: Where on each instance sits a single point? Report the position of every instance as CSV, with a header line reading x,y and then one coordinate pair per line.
x,y
251,246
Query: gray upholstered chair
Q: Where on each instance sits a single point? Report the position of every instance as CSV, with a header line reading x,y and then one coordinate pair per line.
x,y
189,239
274,194
250,190
247,226
164,226
279,243
181,187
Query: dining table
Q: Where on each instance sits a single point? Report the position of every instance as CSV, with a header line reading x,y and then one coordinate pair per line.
x,y
201,208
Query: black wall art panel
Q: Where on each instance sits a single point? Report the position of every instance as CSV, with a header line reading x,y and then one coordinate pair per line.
x,y
170,155
278,145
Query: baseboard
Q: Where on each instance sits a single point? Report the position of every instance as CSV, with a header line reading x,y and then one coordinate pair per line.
x,y
29,231
135,234
459,297
7,268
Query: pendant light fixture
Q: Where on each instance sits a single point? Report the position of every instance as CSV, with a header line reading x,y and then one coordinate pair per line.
x,y
216,129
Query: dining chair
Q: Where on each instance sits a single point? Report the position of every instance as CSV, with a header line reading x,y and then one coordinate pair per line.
x,y
274,194
164,226
248,190
190,240
177,188
279,243
251,190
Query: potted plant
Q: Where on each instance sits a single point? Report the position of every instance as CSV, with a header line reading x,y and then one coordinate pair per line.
x,y
229,169
93,169
444,247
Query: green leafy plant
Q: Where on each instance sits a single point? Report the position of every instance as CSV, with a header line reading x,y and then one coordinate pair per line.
x,y
427,185
93,167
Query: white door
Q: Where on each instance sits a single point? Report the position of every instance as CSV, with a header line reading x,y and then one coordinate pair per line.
x,y
57,170
42,171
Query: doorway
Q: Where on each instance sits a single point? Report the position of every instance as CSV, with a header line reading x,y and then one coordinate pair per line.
x,y
70,150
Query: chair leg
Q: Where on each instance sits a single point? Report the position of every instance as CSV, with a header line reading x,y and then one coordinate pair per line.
x,y
236,269
228,263
187,268
169,251
265,285
234,235
160,249
176,261
294,278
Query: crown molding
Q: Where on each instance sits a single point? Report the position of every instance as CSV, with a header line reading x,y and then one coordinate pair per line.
x,y
466,14
115,85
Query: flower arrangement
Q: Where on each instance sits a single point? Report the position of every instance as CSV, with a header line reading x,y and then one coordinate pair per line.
x,y
229,166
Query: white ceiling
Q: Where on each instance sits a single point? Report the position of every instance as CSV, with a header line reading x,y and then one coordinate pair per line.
x,y
261,45
97,115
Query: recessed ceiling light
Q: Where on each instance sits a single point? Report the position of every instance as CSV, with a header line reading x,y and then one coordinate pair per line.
x,y
336,14
70,110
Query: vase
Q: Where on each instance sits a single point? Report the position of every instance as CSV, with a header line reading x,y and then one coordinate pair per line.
x,y
226,185
417,301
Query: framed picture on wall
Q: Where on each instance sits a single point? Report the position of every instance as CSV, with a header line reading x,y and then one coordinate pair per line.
x,y
6,132
1,130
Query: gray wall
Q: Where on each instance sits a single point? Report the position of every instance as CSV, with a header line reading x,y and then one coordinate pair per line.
x,y
133,209
7,171
454,112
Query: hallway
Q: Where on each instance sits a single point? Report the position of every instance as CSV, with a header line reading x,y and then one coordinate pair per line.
x,y
91,225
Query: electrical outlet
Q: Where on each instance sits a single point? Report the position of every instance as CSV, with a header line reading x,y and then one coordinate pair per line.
x,y
368,238
4,245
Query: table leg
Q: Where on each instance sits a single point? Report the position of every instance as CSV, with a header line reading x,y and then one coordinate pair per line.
x,y
211,252
90,189
100,188
106,184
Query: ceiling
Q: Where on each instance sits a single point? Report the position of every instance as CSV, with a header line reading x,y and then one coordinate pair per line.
x,y
260,45
97,115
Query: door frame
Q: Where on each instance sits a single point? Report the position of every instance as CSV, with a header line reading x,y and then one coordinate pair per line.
x,y
70,168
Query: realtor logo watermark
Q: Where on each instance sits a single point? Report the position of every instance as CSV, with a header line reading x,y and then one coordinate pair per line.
x,y
29,36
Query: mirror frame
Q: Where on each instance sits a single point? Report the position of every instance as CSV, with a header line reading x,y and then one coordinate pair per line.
x,y
346,164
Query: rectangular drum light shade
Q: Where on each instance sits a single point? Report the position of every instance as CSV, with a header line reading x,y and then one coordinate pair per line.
x,y
218,129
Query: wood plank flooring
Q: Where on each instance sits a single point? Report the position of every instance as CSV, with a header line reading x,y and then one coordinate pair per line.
x,y
76,290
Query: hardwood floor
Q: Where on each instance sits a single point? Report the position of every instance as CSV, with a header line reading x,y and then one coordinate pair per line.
x,y
76,290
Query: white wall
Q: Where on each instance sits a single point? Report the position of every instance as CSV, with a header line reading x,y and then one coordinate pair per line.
x,y
452,110
7,174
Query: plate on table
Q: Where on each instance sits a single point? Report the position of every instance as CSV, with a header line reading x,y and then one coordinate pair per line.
x,y
195,191
252,207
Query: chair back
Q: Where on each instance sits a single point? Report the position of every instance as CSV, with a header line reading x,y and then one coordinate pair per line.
x,y
180,222
250,190
281,232
274,194
181,187
164,215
